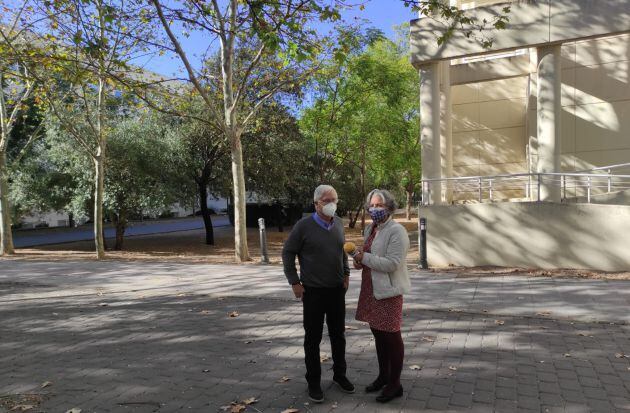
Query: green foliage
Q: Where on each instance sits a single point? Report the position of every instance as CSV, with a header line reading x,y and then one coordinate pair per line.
x,y
364,123
53,176
142,177
141,167
277,163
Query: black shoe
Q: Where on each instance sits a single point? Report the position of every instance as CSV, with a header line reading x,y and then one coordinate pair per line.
x,y
344,383
376,385
384,398
315,393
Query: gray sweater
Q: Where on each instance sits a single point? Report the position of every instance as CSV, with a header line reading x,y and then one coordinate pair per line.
x,y
323,263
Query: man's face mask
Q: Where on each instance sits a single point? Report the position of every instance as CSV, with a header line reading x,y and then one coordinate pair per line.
x,y
329,209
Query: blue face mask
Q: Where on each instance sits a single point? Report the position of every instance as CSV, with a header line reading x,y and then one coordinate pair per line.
x,y
378,215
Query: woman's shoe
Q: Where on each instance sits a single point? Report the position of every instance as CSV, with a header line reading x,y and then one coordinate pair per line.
x,y
375,386
384,398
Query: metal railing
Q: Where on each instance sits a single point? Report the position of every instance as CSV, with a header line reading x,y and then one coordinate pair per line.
x,y
529,187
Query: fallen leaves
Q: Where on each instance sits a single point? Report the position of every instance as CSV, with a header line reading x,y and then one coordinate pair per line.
x,y
238,407
499,322
233,314
415,367
22,408
351,328
283,379
234,408
204,312
567,354
430,339
74,410
291,410
622,355
46,384
585,335
452,368
324,358
544,313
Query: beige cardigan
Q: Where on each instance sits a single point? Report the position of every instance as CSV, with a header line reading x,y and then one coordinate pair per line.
x,y
388,259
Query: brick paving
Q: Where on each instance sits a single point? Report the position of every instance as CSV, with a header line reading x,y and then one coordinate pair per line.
x,y
125,337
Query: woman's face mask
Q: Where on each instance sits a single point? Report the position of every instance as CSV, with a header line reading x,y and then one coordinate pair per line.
x,y
378,214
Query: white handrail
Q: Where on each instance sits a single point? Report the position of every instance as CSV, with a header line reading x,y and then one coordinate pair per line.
x,y
606,168
487,186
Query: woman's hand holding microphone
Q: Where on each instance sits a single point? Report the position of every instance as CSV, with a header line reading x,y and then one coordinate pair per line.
x,y
351,249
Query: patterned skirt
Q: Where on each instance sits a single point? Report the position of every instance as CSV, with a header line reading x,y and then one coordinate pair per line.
x,y
383,315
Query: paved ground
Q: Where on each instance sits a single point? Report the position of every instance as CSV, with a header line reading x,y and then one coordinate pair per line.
x,y
120,336
46,236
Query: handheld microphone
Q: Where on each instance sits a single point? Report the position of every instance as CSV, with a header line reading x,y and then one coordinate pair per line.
x,y
350,249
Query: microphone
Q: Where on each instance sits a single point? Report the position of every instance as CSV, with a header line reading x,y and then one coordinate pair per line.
x,y
350,249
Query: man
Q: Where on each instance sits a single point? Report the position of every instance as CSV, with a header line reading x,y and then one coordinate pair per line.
x,y
317,241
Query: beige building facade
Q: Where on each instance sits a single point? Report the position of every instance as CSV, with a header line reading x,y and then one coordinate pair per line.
x,y
528,119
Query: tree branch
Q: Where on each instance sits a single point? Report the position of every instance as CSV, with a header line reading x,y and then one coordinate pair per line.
x,y
182,55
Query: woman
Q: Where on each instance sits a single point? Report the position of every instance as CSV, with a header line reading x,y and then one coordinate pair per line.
x,y
384,280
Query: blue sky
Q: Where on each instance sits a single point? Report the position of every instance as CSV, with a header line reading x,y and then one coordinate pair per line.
x,y
381,14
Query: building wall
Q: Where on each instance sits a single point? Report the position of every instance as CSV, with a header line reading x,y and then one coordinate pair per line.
x,y
489,125
51,218
529,234
596,103
494,122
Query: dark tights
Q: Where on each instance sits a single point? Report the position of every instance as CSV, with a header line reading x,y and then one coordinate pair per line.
x,y
390,351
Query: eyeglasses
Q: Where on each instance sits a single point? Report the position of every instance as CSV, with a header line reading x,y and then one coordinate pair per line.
x,y
380,205
329,200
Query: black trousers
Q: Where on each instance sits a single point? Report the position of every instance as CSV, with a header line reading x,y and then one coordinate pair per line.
x,y
320,303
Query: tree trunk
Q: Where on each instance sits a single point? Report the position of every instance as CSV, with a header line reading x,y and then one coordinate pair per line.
x,y
99,189
353,221
205,213
238,179
363,194
120,220
6,236
70,220
408,207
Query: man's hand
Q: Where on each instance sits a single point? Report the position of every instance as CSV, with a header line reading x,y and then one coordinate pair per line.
x,y
357,265
346,282
298,290
358,257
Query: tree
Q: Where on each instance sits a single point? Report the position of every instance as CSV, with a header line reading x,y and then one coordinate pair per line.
x,y
284,47
53,175
203,156
16,87
85,45
141,174
277,162
364,122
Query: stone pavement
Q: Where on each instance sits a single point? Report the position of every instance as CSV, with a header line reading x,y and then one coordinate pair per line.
x,y
158,337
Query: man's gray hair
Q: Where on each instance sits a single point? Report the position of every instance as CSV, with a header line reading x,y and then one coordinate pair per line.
x,y
385,195
321,190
